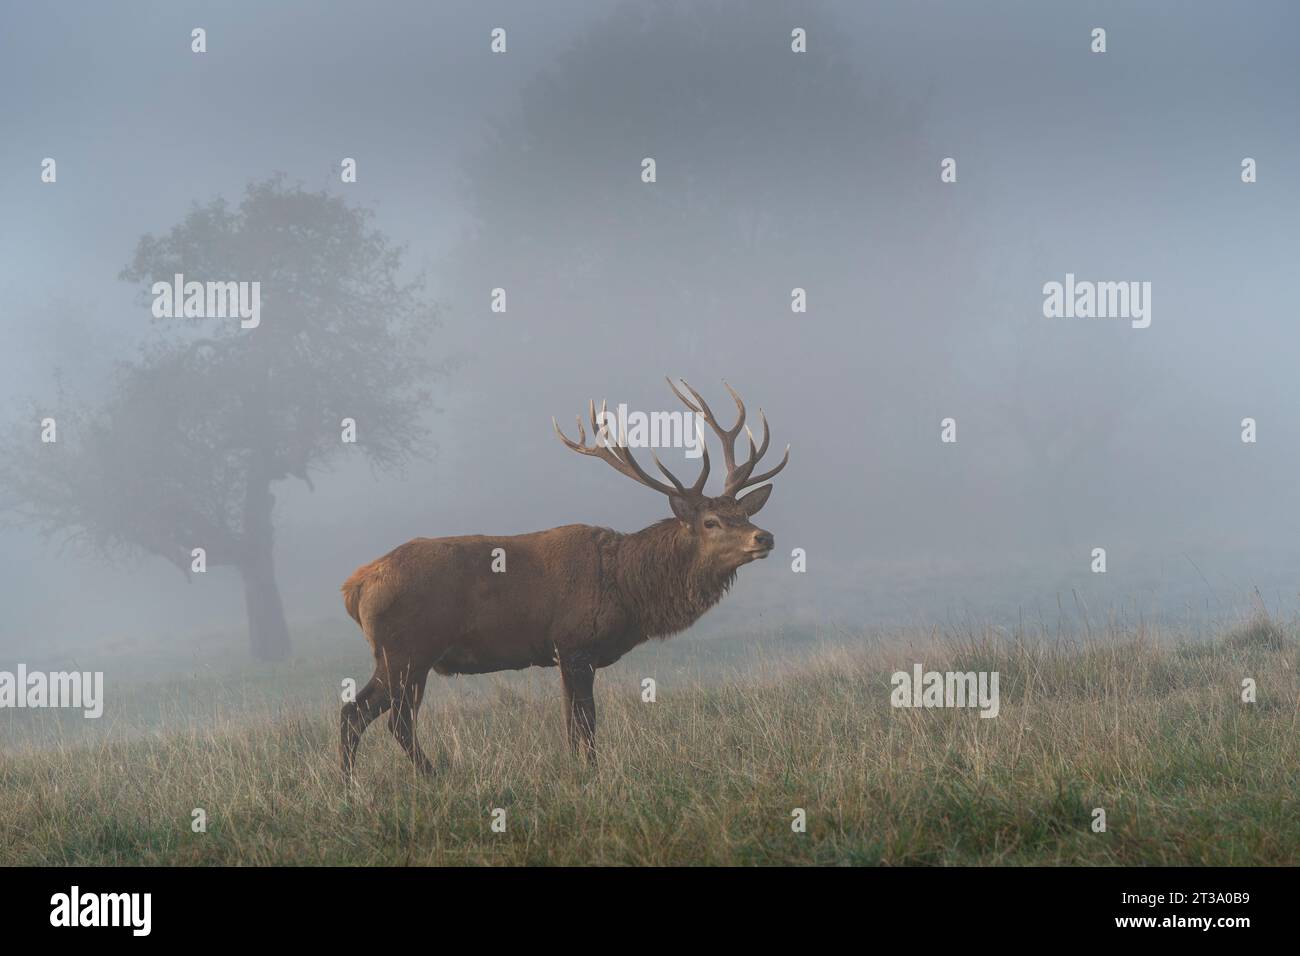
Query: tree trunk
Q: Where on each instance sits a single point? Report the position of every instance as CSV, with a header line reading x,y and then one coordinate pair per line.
x,y
268,634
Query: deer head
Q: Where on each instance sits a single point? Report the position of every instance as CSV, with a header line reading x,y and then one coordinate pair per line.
x,y
721,529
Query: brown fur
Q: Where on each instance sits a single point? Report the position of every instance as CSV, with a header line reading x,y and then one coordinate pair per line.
x,y
578,597
657,578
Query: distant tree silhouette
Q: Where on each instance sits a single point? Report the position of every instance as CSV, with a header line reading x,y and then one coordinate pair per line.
x,y
761,154
192,435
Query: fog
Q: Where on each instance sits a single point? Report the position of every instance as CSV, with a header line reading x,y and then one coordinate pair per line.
x,y
774,170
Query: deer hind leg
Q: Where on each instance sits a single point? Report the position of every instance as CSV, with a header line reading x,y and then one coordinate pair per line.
x,y
372,700
580,707
406,705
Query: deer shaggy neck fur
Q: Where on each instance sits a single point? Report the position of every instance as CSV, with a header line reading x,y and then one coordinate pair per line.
x,y
660,579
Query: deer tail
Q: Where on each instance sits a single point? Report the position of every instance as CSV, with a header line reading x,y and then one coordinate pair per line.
x,y
352,592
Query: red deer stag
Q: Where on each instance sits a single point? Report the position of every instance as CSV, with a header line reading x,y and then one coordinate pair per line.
x,y
577,596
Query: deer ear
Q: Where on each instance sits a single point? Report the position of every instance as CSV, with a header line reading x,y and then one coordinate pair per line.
x,y
755,500
682,508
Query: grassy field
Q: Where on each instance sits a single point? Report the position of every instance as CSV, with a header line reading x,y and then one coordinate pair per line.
x,y
741,734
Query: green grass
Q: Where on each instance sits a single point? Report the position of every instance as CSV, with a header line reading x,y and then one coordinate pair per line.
x,y
1155,733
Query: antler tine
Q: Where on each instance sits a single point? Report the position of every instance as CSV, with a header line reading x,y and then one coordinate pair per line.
x,y
698,487
597,430
625,453
740,407
762,448
685,401
728,433
785,459
726,436
574,445
668,474
619,457
703,410
739,478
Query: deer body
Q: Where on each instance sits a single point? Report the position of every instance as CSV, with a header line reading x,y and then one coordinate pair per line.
x,y
576,589
578,597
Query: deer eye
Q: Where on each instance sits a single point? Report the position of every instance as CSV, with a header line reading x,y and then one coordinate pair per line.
x,y
711,523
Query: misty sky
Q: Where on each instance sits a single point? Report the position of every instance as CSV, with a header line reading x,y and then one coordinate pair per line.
x,y
775,170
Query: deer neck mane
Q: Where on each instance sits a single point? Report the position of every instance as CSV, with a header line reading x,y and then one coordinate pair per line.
x,y
658,574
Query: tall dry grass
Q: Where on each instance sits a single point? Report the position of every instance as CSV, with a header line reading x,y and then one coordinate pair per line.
x,y
1154,733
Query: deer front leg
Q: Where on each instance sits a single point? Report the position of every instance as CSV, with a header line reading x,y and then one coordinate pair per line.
x,y
580,706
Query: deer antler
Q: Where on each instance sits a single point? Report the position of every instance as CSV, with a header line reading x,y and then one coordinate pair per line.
x,y
738,476
619,457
